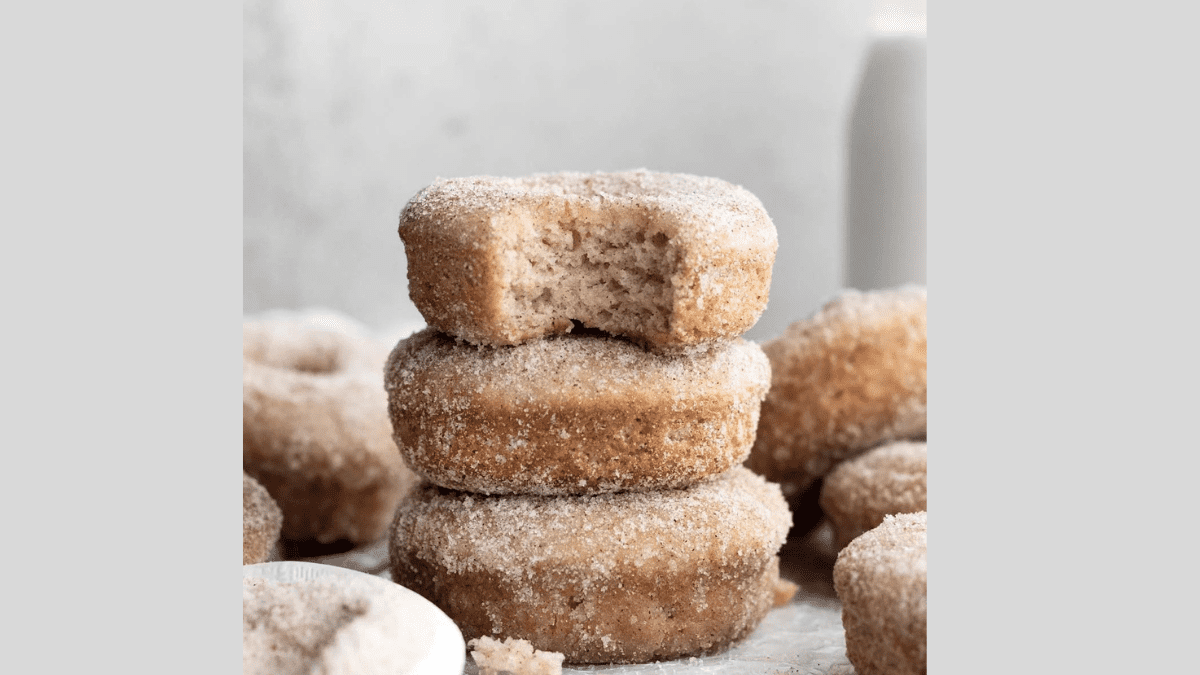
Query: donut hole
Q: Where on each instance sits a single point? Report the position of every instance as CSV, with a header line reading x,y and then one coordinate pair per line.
x,y
313,352
322,363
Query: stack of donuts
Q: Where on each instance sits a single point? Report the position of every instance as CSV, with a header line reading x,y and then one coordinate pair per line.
x,y
579,410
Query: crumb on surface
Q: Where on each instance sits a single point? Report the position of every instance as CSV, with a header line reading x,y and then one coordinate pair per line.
x,y
784,592
517,657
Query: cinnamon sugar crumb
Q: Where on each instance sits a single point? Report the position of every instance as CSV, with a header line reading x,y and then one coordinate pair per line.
x,y
784,592
517,657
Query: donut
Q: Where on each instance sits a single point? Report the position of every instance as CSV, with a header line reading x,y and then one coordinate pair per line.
x,y
317,342
880,578
300,617
669,260
315,428
628,577
572,414
860,492
844,380
261,521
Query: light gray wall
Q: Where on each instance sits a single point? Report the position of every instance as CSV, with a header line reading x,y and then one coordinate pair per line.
x,y
351,107
885,184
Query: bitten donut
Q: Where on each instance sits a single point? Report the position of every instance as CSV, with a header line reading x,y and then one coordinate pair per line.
x,y
261,521
669,260
315,428
842,381
617,578
860,492
881,580
572,414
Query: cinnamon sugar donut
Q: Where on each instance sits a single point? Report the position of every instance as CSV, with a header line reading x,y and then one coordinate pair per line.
x,y
261,521
572,414
669,260
860,492
315,428
842,381
881,580
616,578
301,618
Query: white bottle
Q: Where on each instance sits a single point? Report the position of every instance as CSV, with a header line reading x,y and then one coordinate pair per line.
x,y
885,193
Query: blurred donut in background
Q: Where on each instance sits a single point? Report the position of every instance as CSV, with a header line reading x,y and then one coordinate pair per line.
x,y
859,493
261,522
315,427
842,381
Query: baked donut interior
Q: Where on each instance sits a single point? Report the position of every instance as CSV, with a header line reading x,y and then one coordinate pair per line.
x,y
606,272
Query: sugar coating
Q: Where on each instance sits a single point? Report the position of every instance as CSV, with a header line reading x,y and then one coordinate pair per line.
x,y
881,579
316,432
613,578
572,414
860,492
670,260
513,656
261,521
316,342
287,627
844,380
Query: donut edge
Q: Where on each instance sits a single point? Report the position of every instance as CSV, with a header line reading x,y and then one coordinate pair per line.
x,y
884,606
520,601
845,379
476,440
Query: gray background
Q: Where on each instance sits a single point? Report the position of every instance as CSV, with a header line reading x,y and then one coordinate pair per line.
x,y
351,108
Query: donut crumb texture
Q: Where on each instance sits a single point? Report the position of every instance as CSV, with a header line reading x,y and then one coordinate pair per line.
x,y
515,657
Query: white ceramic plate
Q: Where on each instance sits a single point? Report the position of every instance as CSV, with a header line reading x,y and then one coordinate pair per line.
x,y
411,634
